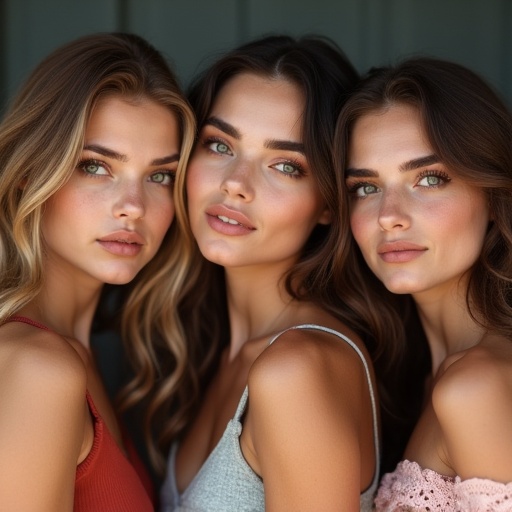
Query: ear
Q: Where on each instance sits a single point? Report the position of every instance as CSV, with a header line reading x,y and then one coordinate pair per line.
x,y
325,217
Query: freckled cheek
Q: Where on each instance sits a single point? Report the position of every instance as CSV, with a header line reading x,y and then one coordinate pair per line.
x,y
361,228
199,181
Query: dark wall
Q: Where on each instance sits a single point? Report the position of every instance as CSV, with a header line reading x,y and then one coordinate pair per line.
x,y
477,33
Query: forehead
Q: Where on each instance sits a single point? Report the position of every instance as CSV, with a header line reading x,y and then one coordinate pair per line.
x,y
394,131
250,96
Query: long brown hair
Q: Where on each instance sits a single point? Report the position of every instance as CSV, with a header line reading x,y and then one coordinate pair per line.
x,y
470,129
326,78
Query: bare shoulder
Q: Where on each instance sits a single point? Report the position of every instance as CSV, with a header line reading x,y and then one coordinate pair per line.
x,y
308,427
472,400
40,361
307,352
475,378
43,418
312,359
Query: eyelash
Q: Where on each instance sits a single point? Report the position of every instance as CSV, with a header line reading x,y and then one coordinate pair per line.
x,y
295,164
438,174
91,161
352,189
212,140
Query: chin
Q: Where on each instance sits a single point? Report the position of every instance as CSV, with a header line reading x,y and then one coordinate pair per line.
x,y
401,286
121,277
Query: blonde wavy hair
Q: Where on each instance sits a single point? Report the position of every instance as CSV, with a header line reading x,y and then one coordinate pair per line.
x,y
41,140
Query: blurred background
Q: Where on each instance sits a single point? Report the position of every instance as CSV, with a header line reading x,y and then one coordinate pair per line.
x,y
476,33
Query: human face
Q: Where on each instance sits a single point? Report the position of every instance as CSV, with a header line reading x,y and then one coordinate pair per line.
x,y
419,225
252,197
110,218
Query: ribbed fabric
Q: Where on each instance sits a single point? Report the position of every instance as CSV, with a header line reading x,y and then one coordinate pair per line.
x,y
108,480
226,483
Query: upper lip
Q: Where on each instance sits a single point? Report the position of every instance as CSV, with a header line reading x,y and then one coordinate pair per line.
x,y
224,211
399,245
127,237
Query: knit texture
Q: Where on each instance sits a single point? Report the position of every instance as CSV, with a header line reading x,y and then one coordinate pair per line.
x,y
226,483
413,489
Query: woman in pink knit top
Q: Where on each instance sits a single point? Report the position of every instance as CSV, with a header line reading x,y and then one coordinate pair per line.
x,y
426,148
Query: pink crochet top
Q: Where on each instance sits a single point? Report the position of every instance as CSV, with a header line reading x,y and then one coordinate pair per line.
x,y
413,489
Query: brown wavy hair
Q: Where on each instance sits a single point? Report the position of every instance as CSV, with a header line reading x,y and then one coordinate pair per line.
x,y
326,77
470,129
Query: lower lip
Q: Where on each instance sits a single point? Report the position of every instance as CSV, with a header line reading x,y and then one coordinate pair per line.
x,y
225,228
120,248
400,256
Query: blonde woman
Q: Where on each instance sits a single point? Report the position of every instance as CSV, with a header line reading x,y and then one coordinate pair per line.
x,y
88,154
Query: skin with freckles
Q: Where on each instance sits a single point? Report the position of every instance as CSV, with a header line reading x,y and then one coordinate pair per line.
x,y
410,213
261,173
421,226
102,226
109,219
253,203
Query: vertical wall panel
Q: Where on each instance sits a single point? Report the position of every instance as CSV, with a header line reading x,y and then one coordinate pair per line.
x,y
341,21
477,33
36,27
187,31
468,31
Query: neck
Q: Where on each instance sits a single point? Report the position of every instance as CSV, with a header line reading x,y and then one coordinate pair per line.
x,y
66,308
258,306
448,324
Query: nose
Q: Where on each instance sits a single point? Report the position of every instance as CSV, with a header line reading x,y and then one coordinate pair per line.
x,y
237,181
129,201
394,212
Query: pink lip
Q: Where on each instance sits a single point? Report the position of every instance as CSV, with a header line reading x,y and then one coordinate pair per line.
x,y
122,243
400,251
243,225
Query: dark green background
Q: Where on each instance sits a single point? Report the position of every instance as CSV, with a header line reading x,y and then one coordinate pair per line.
x,y
477,33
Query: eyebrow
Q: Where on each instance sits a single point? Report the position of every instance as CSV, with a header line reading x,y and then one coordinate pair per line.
x,y
224,127
423,161
410,165
284,145
109,153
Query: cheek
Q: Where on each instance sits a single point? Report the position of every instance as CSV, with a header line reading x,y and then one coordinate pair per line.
x,y
359,224
194,183
165,217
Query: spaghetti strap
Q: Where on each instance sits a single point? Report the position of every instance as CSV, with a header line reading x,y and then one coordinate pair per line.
x,y
243,401
29,321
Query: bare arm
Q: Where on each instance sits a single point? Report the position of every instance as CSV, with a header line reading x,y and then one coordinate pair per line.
x,y
42,418
307,402
473,403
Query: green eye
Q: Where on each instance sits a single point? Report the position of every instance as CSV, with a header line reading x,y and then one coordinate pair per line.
x,y
163,178
93,168
288,169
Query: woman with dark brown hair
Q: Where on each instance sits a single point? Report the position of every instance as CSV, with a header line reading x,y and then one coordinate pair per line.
x,y
426,148
292,377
